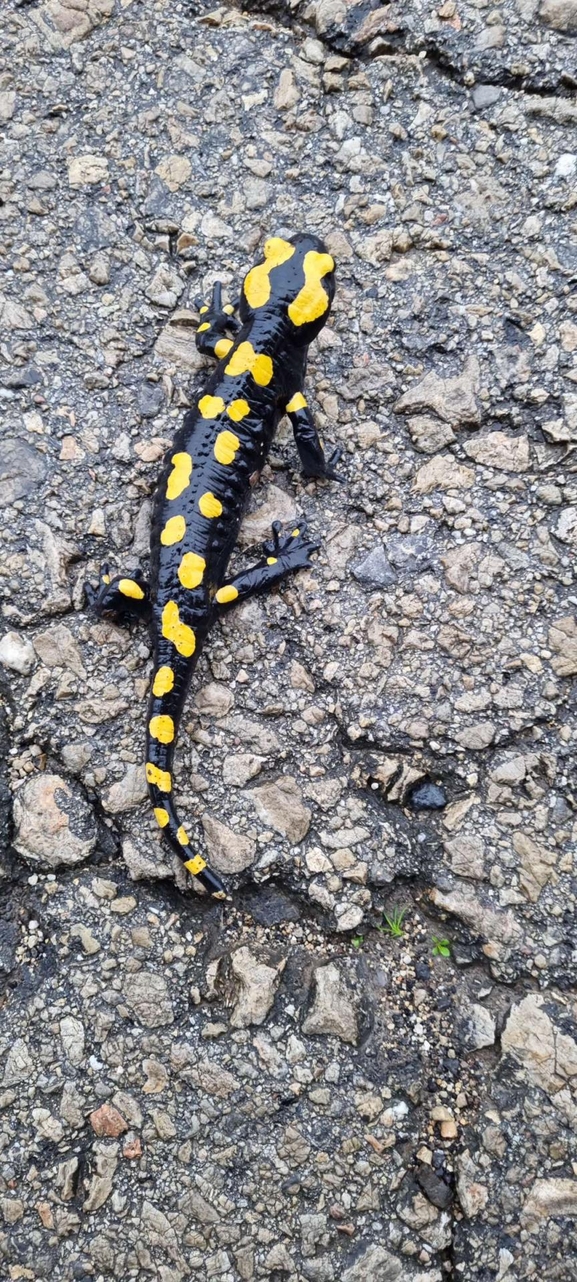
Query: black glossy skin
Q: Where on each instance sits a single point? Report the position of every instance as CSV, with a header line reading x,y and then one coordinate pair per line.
x,y
266,389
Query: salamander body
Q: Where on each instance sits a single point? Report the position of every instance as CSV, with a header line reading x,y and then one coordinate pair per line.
x,y
223,442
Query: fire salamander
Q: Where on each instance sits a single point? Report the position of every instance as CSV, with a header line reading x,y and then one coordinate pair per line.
x,y
224,440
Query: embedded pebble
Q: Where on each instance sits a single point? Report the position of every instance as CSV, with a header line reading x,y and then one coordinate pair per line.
x,y
148,997
55,826
17,653
332,1010
257,986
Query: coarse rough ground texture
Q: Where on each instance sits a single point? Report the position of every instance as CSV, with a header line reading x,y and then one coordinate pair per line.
x,y
281,1088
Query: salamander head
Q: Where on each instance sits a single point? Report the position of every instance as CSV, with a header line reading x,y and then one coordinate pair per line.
x,y
296,276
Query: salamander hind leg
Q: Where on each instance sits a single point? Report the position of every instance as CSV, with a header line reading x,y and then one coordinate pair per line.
x,y
124,598
216,323
283,554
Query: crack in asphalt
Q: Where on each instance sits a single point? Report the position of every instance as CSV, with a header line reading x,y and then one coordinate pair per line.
x,y
403,42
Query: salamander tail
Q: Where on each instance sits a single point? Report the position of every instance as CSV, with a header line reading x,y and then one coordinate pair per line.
x,y
159,779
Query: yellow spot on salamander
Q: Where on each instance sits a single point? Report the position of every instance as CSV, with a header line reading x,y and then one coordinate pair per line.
x,y
225,447
257,286
298,402
271,560
245,360
191,570
211,406
180,475
262,370
226,594
209,505
106,578
182,637
296,533
162,728
161,815
183,836
228,309
238,410
195,865
163,682
201,328
129,588
312,300
203,310
160,778
222,348
174,531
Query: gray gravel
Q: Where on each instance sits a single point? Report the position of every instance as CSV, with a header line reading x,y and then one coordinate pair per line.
x,y
283,1088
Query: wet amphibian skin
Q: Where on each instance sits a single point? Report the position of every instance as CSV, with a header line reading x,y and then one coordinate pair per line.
x,y
224,440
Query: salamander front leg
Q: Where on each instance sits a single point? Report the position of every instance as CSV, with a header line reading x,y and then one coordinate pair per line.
x,y
308,444
122,598
212,338
282,554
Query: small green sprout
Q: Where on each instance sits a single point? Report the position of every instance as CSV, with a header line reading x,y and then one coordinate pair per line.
x,y
357,941
441,947
393,923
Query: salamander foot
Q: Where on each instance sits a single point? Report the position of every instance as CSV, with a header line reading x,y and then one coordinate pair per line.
x,y
216,322
123,598
292,549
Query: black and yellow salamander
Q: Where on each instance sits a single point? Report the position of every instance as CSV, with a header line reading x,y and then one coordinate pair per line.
x,y
224,440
